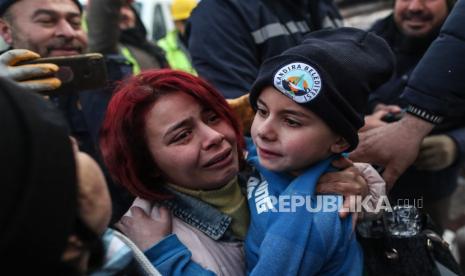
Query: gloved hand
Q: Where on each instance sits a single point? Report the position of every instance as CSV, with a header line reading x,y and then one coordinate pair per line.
x,y
35,77
436,153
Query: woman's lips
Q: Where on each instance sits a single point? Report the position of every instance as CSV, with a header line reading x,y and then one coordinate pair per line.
x,y
221,160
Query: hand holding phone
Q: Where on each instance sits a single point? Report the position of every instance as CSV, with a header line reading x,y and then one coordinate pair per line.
x,y
76,73
34,77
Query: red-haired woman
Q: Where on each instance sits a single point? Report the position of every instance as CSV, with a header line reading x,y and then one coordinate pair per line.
x,y
173,141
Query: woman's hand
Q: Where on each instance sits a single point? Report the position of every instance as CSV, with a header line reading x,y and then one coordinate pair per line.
x,y
145,230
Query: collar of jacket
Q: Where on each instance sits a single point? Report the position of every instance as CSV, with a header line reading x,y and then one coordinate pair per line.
x,y
200,215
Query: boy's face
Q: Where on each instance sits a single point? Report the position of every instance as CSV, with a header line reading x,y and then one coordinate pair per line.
x,y
290,137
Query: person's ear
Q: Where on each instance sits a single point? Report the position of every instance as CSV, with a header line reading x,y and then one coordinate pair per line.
x,y
5,32
340,145
75,254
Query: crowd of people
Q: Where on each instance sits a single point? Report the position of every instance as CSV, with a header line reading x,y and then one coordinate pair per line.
x,y
181,164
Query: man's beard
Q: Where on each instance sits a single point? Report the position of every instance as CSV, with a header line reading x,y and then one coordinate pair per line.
x,y
19,42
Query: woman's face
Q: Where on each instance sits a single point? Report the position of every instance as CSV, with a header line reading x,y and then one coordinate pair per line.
x,y
192,146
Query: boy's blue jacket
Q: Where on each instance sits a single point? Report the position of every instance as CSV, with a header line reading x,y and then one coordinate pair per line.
x,y
296,241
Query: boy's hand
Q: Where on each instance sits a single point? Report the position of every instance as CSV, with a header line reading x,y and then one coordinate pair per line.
x,y
35,77
347,182
145,230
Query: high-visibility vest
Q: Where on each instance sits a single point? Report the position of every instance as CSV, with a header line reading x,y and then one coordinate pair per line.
x,y
177,56
128,55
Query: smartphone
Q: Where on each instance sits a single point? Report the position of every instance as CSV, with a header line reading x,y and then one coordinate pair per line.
x,y
77,73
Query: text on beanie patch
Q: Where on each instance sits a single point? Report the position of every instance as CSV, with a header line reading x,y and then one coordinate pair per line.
x,y
299,81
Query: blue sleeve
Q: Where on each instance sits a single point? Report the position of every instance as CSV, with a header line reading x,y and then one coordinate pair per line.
x,y
436,84
222,48
171,257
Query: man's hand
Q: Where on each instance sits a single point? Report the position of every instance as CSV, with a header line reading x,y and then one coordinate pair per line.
x,y
393,146
36,77
437,152
374,120
347,182
145,230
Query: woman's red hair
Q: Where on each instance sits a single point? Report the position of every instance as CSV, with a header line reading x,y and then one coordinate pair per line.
x,y
123,141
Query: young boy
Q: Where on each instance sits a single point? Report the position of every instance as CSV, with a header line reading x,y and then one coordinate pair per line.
x,y
309,103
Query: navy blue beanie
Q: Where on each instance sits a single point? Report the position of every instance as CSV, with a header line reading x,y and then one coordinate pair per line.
x,y
331,73
5,4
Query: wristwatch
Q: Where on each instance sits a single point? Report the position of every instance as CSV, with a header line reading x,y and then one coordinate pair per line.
x,y
425,114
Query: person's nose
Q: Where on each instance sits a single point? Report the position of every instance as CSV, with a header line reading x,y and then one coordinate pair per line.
x,y
210,137
416,5
65,29
266,131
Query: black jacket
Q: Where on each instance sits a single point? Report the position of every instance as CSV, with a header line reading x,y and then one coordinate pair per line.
x,y
409,52
437,84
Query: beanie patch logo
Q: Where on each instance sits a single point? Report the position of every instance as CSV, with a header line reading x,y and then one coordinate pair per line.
x,y
299,81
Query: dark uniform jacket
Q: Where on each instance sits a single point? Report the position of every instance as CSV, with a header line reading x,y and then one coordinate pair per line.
x,y
437,84
409,51
229,39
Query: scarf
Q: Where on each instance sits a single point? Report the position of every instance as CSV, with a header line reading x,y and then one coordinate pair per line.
x,y
229,200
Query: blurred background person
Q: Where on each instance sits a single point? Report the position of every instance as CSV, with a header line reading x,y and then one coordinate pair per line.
x,y
116,28
228,40
54,28
52,214
410,30
174,43
55,206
